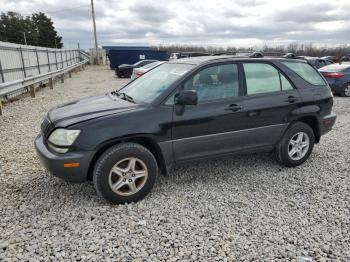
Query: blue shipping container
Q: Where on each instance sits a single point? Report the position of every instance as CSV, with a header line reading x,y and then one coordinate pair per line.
x,y
118,57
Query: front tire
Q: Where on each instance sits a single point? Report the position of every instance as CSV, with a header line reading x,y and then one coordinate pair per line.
x,y
125,173
296,145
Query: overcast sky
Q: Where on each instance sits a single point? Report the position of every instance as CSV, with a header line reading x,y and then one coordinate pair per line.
x,y
200,22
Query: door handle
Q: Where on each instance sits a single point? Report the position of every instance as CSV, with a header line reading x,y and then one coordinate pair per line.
x,y
291,99
234,108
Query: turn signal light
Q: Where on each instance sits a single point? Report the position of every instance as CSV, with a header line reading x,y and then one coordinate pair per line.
x,y
77,164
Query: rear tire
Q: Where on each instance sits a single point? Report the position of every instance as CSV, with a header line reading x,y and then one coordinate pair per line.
x,y
125,173
296,145
346,91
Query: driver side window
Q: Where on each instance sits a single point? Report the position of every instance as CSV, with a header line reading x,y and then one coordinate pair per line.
x,y
215,83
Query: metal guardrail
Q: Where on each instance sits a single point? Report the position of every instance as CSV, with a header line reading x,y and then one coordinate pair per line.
x,y
28,83
11,87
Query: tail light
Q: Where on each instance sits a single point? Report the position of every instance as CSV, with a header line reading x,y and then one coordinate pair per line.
x,y
333,75
139,73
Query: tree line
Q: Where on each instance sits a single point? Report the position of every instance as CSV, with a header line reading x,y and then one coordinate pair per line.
x,y
36,29
300,49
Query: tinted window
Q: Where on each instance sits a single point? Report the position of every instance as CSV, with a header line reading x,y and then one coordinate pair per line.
x,y
216,82
307,72
264,78
286,85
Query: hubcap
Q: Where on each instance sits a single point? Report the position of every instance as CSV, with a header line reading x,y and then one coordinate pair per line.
x,y
298,146
128,176
347,90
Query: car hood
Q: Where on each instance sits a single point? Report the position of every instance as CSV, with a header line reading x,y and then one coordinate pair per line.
x,y
89,108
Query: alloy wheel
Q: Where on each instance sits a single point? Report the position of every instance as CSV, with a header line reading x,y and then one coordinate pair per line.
x,y
128,176
298,146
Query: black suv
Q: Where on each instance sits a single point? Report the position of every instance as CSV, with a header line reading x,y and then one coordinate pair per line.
x,y
184,110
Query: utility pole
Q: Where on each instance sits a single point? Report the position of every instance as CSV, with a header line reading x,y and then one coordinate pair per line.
x,y
94,23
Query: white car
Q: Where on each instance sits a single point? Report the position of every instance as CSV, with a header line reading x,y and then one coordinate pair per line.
x,y
137,72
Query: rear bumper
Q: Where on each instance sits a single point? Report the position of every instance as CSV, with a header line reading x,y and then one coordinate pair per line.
x,y
327,123
54,162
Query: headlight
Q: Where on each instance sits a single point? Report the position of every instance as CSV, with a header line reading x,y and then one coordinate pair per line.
x,y
63,137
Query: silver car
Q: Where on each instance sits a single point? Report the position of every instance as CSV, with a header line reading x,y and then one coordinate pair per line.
x,y
137,72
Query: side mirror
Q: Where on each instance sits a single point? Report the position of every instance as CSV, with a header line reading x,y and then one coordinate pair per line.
x,y
186,97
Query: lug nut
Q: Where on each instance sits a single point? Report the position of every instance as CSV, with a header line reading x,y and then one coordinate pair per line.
x,y
130,180
133,175
124,179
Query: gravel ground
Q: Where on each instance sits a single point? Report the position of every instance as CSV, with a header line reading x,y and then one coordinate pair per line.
x,y
247,208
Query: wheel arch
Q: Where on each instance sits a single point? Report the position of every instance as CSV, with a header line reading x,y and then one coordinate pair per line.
x,y
313,122
143,140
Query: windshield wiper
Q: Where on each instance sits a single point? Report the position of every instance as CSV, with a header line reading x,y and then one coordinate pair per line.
x,y
124,96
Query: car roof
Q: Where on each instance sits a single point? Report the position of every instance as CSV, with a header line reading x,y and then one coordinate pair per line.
x,y
222,58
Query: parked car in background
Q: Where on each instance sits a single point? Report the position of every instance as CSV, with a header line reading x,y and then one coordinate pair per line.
x,y
183,111
125,70
316,61
345,57
137,72
338,78
330,58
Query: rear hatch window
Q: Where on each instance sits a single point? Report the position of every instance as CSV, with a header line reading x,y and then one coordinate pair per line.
x,y
305,71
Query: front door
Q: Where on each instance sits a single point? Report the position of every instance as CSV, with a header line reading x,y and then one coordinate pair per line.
x,y
211,127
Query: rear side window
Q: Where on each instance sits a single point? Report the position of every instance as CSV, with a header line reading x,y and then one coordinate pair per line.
x,y
305,71
264,78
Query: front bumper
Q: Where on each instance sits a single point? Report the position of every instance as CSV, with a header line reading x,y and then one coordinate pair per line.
x,y
54,162
327,123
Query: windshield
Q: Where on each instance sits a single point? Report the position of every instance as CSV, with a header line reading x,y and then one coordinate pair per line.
x,y
151,85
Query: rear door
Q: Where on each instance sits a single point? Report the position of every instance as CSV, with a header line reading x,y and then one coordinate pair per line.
x,y
269,99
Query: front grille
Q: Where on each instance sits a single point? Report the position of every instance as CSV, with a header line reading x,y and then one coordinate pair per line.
x,y
46,127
